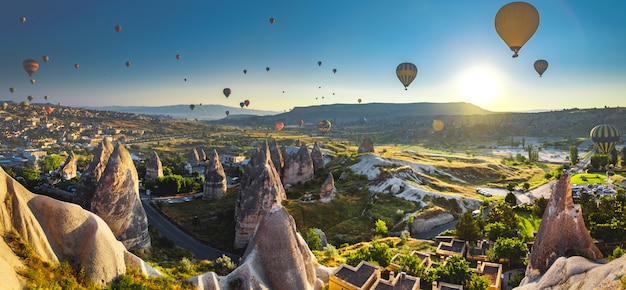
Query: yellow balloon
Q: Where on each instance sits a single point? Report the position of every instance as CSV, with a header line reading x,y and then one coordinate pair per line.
x,y
406,73
516,23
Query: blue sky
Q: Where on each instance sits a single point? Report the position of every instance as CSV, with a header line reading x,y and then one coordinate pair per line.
x,y
458,53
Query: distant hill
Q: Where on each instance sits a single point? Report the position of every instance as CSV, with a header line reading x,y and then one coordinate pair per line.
x,y
200,112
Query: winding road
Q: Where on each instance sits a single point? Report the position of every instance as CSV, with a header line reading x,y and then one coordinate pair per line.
x,y
182,239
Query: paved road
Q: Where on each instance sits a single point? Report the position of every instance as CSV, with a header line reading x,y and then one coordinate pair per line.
x,y
182,239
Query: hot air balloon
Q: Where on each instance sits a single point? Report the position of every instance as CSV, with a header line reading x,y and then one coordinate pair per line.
x,y
516,23
406,73
246,102
177,56
541,66
127,63
32,81
242,104
279,125
319,63
59,104
30,98
185,79
272,20
227,113
604,137
267,68
23,19
30,66
24,105
45,97
200,104
45,58
5,106
245,71
49,110
359,100
323,126
192,106
12,90
300,123
226,92
76,65
334,70
118,28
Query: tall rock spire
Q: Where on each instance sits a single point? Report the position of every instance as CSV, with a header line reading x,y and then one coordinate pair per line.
x,y
154,169
214,178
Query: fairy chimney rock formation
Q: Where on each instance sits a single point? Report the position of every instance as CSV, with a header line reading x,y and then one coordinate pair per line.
x,y
260,188
69,168
367,146
116,200
91,176
154,169
276,155
562,230
201,154
193,158
328,191
214,178
298,167
317,157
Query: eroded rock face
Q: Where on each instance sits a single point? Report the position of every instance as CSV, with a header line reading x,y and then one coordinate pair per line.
x,y
69,169
260,188
154,168
317,157
193,158
276,155
328,191
298,167
367,146
116,200
562,229
201,154
214,178
86,186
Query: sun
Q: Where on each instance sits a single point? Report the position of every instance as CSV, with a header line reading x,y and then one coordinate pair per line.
x,y
479,84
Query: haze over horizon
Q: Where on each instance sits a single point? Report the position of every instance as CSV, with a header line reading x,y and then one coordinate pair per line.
x,y
456,49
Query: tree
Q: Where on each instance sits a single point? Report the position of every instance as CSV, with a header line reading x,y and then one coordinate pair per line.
x,y
511,249
539,206
573,154
455,270
381,227
496,230
50,163
478,282
503,212
466,228
411,264
526,186
510,198
313,239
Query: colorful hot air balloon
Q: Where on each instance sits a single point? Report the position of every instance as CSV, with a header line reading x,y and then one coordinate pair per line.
x,y
226,92
76,65
246,102
12,90
49,110
227,113
516,23
177,56
32,81
245,71
323,126
24,104
127,63
192,106
45,97
319,63
267,68
279,125
30,98
334,70
541,66
45,58
406,73
242,104
300,123
30,66
604,137
23,19
118,28
272,20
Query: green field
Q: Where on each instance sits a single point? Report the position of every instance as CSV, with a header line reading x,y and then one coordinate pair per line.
x,y
588,178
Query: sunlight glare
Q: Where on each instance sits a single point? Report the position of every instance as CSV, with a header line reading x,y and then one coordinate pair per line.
x,y
479,85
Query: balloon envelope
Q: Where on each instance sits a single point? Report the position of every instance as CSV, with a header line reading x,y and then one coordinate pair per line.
x,y
127,63
12,90
359,100
300,123
45,97
242,104
516,23
267,68
541,66
178,56
23,19
319,63
30,66
32,81
604,137
323,126
279,125
226,92
246,102
49,110
45,58
227,113
30,98
76,65
272,20
245,71
406,73
118,28
334,70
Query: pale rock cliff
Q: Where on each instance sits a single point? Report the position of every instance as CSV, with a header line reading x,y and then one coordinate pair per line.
x,y
214,178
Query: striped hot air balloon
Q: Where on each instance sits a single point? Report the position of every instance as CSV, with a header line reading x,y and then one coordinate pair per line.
x,y
406,73
604,137
323,126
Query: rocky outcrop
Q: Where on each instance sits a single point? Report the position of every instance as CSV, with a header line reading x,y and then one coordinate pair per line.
x,y
579,273
328,191
317,157
201,154
276,155
214,178
116,200
58,231
298,167
562,230
367,146
193,158
69,168
276,258
154,168
260,188
86,186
